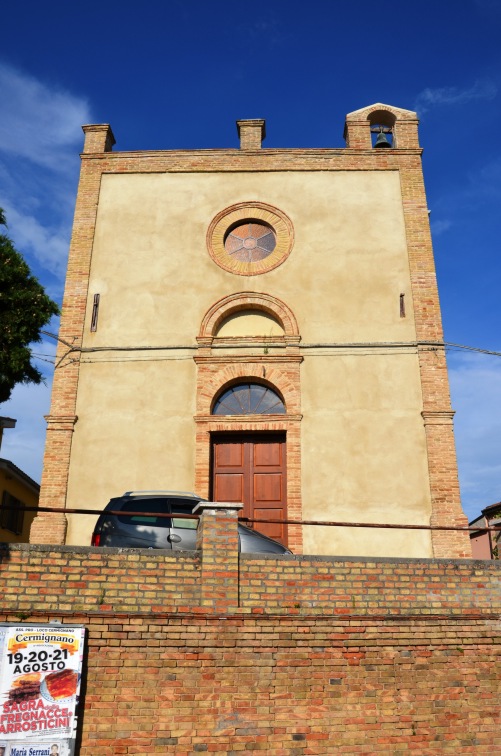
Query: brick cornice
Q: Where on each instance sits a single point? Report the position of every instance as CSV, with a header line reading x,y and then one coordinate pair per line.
x,y
247,358
438,417
272,422
259,160
65,422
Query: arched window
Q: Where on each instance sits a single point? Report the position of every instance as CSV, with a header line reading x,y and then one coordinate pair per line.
x,y
249,399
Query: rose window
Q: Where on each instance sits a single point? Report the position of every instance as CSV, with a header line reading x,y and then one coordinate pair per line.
x,y
250,241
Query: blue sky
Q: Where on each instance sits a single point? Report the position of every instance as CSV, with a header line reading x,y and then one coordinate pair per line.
x,y
177,74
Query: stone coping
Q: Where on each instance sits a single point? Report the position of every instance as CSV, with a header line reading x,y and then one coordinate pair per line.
x,y
299,558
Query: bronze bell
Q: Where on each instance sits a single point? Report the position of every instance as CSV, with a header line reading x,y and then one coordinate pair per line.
x,y
382,140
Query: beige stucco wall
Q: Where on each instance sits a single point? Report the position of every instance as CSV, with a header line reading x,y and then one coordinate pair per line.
x,y
134,431
363,450
364,453
343,278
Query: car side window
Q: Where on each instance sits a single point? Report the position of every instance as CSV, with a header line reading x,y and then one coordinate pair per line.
x,y
182,522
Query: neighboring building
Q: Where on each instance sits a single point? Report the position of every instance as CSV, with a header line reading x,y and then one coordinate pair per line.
x,y
6,422
17,490
484,543
259,325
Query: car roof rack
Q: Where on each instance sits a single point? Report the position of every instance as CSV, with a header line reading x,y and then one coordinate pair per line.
x,y
162,492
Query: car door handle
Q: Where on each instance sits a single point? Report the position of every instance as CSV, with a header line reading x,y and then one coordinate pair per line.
x,y
173,538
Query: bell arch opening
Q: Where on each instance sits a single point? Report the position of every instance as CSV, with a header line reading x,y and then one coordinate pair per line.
x,y
382,126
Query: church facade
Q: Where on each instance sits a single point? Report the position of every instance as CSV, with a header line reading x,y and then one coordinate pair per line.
x,y
258,325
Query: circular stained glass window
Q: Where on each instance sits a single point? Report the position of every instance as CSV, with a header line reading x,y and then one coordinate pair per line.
x,y
250,241
250,238
249,399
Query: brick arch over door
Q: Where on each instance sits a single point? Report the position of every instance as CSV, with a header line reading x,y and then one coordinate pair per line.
x,y
217,378
280,370
248,301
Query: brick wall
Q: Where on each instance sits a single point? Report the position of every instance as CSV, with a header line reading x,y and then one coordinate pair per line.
x,y
76,579
368,586
209,651
63,578
289,685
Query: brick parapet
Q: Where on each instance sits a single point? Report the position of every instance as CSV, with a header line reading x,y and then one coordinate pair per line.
x,y
370,586
265,159
64,578
71,579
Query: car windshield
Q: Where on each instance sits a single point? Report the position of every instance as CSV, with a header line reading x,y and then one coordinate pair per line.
x,y
158,505
153,505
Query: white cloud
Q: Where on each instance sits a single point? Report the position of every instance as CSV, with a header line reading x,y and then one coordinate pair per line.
x,y
428,98
476,396
38,120
40,138
49,246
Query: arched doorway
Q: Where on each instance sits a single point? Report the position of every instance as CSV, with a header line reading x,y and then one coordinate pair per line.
x,y
251,467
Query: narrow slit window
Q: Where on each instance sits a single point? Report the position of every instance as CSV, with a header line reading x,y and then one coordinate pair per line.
x,y
95,313
402,305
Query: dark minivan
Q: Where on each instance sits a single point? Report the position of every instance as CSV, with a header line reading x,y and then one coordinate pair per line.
x,y
151,531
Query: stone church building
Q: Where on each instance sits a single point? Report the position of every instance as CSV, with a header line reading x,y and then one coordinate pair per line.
x,y
258,325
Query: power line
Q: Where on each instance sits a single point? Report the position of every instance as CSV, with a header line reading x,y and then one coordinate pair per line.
x,y
448,344
355,347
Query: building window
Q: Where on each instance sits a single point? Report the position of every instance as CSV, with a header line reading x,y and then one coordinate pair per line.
x,y
11,514
250,238
249,399
250,241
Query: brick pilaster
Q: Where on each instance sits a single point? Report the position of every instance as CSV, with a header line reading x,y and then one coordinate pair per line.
x,y
444,485
49,528
437,412
217,540
358,135
62,418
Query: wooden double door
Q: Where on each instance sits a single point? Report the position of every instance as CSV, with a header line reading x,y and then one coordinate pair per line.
x,y
251,468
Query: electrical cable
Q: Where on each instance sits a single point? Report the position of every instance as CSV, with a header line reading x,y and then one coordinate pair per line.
x,y
346,347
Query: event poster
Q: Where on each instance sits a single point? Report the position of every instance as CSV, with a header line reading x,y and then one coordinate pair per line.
x,y
40,670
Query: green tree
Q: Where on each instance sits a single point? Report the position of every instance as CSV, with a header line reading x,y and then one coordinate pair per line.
x,y
24,310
